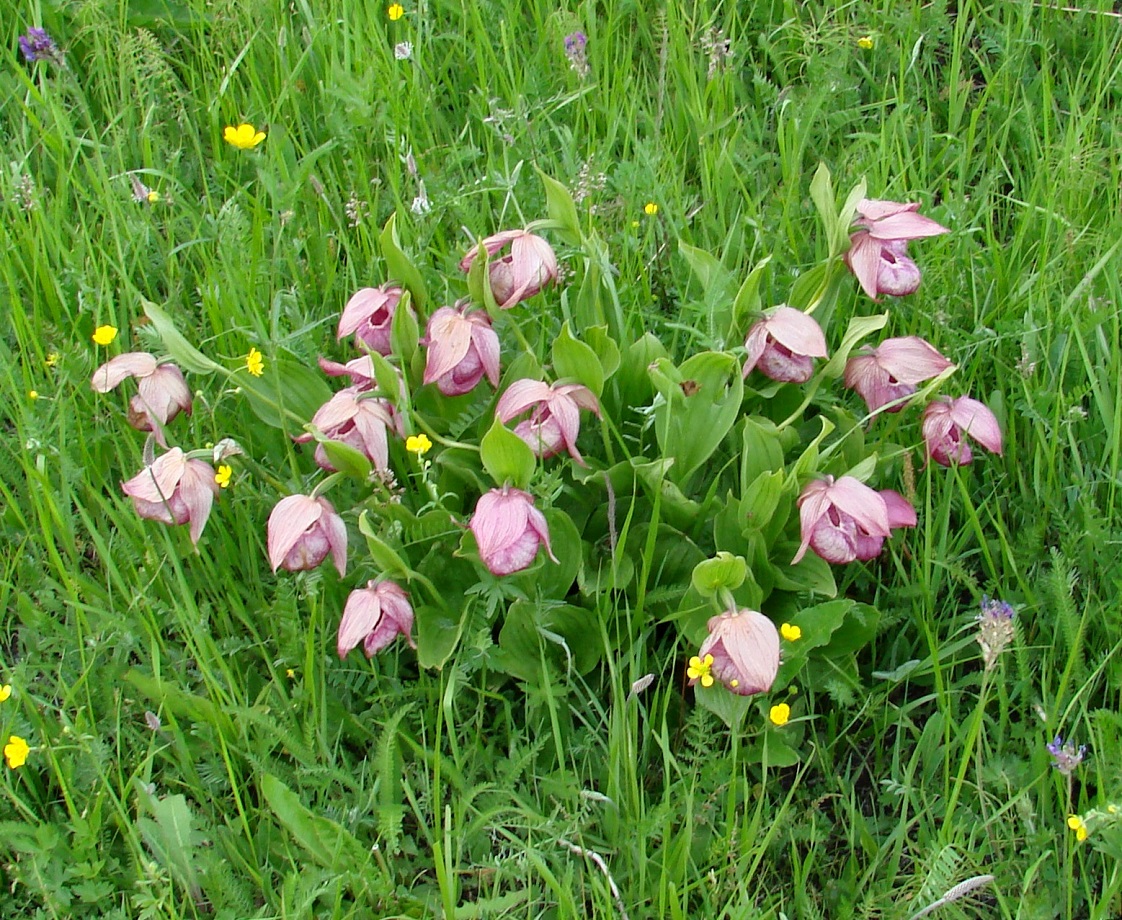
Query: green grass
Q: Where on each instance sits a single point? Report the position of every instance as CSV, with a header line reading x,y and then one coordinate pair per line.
x,y
282,782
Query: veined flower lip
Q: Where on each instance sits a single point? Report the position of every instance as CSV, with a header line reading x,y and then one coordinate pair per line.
x,y
509,531
554,414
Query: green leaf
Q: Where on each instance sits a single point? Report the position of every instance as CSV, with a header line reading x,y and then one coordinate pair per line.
x,y
761,499
169,836
398,265
859,328
286,395
185,705
562,209
384,557
822,194
346,459
186,355
506,457
387,377
325,841
573,360
437,635
761,452
731,708
404,331
607,351
840,242
717,285
563,636
811,573
746,304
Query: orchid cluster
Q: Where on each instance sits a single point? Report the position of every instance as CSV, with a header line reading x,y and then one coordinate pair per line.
x,y
467,447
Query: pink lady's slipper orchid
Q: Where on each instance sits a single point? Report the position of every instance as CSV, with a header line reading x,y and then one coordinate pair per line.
x,y
947,421
508,530
521,273
462,347
878,254
783,344
358,421
301,532
375,616
162,393
360,370
891,371
174,490
741,651
554,421
369,315
845,520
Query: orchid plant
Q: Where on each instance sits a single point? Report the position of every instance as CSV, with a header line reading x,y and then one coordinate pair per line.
x,y
726,466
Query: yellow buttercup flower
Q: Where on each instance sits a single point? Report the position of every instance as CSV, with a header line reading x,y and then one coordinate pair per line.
x,y
255,363
5,692
395,11
52,359
650,209
16,751
290,673
865,42
104,335
790,633
418,444
153,196
699,670
1076,824
33,395
244,137
222,476
780,714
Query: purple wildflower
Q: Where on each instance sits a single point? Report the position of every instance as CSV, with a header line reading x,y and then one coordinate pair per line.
x,y
37,45
574,51
1065,756
995,629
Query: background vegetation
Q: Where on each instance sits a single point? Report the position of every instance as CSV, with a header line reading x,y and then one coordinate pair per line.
x,y
197,749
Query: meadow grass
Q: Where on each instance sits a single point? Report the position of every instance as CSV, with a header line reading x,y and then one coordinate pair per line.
x,y
197,747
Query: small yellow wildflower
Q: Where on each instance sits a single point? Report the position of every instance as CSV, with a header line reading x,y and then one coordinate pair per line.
x,y
395,11
255,363
780,713
5,692
222,477
699,670
790,633
290,673
33,395
244,137
650,209
1112,809
418,444
104,335
152,197
1076,824
865,42
52,359
16,751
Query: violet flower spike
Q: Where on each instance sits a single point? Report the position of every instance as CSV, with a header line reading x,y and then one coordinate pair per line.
x,y
745,649
891,371
845,520
37,45
369,315
162,391
946,422
361,422
462,347
174,490
520,274
554,420
508,530
878,253
1066,758
301,532
375,616
782,345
